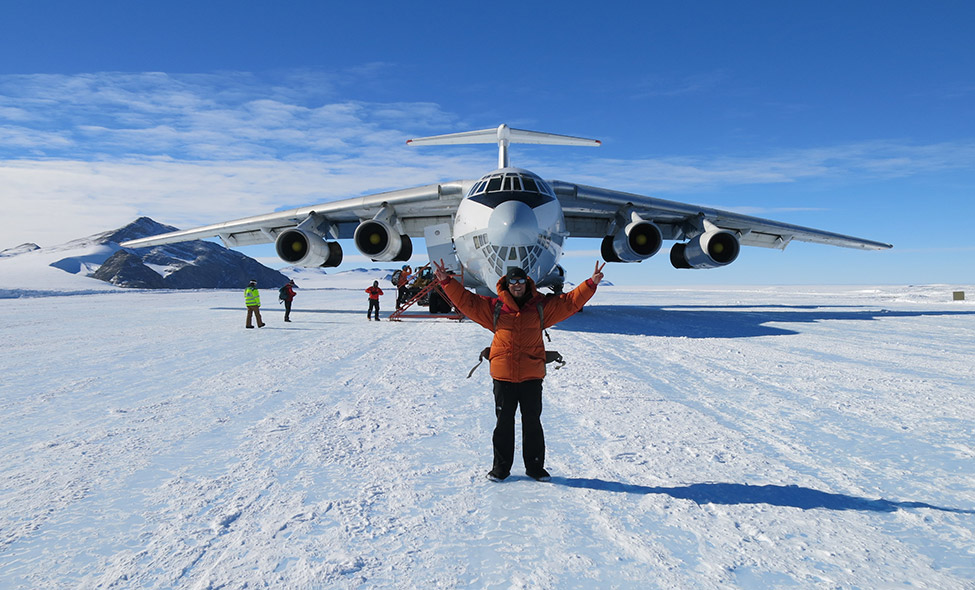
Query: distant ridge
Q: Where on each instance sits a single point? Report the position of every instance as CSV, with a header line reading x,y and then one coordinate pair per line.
x,y
28,247
187,265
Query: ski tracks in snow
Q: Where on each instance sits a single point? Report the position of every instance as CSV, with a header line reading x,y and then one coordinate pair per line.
x,y
737,438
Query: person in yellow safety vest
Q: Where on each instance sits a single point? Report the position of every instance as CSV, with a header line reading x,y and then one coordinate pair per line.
x,y
252,299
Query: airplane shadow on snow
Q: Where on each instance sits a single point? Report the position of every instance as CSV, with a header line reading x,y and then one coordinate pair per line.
x,y
774,495
731,321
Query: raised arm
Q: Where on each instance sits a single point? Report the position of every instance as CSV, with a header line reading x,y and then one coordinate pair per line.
x,y
475,307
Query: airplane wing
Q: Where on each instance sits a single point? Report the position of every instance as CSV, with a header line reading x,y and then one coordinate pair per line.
x,y
414,208
592,212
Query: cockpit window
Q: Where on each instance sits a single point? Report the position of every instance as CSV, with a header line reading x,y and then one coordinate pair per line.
x,y
512,182
544,188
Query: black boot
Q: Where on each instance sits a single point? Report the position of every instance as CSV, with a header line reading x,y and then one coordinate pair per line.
x,y
497,475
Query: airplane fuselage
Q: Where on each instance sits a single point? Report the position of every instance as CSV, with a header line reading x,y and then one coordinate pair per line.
x,y
510,217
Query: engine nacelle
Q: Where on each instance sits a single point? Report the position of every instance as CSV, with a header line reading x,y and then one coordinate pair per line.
x,y
638,241
381,243
304,248
555,279
712,249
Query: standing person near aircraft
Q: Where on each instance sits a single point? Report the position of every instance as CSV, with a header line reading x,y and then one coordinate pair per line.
x,y
517,317
252,299
287,294
402,292
374,292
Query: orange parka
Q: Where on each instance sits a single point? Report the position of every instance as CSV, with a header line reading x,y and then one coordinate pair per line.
x,y
518,351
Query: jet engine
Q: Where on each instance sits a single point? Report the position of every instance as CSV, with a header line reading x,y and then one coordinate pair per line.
x,y
555,279
637,241
381,243
712,249
304,248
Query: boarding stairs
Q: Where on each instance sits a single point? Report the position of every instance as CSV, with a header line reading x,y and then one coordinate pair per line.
x,y
401,313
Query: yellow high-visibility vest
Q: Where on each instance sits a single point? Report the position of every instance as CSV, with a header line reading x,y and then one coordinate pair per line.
x,y
252,297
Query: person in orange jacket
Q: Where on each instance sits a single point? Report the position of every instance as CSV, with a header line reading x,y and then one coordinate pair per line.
x,y
518,356
374,292
402,290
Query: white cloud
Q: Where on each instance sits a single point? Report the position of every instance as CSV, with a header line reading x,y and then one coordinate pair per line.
x,y
14,114
878,160
654,87
81,154
218,117
32,141
52,201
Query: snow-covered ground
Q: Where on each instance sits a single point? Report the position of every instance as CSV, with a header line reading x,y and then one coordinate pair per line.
x,y
800,437
58,270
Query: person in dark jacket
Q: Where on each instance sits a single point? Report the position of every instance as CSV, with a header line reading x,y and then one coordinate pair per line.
x,y
374,292
518,356
288,295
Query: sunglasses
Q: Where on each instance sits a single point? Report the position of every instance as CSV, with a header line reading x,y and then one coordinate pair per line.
x,y
517,281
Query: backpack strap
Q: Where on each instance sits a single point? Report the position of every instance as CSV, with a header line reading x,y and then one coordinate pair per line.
x,y
486,353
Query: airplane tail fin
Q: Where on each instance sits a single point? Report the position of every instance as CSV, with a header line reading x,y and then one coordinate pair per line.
x,y
503,136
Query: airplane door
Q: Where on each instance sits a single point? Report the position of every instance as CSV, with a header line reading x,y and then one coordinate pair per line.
x,y
440,246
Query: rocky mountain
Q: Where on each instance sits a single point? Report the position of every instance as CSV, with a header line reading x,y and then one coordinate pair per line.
x,y
185,265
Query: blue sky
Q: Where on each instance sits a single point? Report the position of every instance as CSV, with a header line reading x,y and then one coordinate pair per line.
x,y
855,117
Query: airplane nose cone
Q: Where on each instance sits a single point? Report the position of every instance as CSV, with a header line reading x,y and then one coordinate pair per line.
x,y
512,223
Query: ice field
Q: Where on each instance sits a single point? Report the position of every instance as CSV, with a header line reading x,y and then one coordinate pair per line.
x,y
766,437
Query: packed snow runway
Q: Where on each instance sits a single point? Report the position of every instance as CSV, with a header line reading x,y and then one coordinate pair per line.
x,y
801,437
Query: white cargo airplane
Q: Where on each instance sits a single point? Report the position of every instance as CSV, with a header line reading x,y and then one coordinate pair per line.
x,y
509,217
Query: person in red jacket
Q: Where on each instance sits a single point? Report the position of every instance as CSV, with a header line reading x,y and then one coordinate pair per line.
x,y
374,292
518,356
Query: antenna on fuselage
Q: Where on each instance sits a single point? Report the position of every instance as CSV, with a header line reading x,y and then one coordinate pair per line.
x,y
504,136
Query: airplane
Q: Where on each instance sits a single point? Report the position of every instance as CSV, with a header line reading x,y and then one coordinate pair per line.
x,y
508,217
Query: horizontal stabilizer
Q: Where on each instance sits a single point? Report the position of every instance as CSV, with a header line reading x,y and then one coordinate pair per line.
x,y
503,136
502,133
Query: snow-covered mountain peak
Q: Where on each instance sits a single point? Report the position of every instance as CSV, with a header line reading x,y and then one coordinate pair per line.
x,y
88,263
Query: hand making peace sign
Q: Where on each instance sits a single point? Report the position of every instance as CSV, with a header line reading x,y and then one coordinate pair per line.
x,y
597,275
440,271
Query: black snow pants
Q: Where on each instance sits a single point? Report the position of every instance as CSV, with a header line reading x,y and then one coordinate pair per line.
x,y
507,397
373,305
